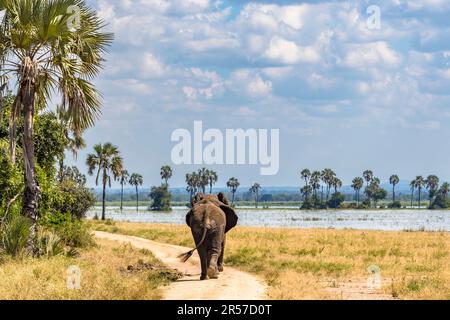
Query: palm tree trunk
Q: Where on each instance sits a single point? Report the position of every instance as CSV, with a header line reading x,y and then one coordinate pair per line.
x,y
232,197
210,188
31,195
412,196
104,200
393,193
419,197
121,198
137,200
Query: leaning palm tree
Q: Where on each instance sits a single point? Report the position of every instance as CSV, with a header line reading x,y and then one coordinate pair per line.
x,y
42,52
233,184
136,180
106,160
255,190
394,180
166,174
357,184
419,182
123,179
212,178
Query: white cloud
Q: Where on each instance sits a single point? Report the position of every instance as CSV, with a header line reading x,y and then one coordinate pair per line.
x,y
376,54
288,52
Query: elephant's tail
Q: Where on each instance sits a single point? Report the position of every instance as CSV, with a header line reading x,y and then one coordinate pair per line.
x,y
185,256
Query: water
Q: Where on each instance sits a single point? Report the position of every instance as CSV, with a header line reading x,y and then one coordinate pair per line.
x,y
429,220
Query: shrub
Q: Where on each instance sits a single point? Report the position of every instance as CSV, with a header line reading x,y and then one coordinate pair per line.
x,y
395,205
49,244
72,231
336,200
161,198
439,202
14,233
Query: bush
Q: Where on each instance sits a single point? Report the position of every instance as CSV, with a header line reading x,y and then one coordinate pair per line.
x,y
14,233
49,244
395,205
336,200
161,198
72,231
439,202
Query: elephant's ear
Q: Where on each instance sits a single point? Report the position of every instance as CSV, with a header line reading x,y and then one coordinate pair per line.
x,y
231,217
188,217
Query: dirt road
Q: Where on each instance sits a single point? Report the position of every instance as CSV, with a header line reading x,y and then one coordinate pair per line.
x,y
232,284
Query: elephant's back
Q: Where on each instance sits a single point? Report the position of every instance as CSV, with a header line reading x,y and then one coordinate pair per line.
x,y
209,215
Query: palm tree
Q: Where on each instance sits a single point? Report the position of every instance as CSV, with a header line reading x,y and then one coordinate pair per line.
x,y
432,184
123,179
203,176
305,174
315,182
212,178
357,184
394,180
255,190
233,184
327,176
192,181
166,174
419,183
136,180
44,53
412,186
107,161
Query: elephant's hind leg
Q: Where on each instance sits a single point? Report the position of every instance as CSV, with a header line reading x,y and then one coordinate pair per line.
x,y
220,261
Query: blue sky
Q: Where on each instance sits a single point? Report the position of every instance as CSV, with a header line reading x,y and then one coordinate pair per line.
x,y
343,96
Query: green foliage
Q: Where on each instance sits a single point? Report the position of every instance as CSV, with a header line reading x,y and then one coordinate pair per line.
x,y
440,202
11,177
49,244
50,141
72,231
395,205
14,233
161,198
335,201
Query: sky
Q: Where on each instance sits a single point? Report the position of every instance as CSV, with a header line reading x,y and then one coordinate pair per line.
x,y
343,94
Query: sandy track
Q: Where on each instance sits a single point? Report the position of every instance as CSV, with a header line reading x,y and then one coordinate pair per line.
x,y
231,285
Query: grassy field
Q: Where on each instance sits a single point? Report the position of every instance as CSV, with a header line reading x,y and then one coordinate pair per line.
x,y
108,271
302,264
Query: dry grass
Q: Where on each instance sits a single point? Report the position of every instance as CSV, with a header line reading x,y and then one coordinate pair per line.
x,y
104,275
296,262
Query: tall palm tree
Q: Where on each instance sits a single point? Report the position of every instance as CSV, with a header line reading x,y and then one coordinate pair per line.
x,y
43,53
432,184
203,176
136,180
412,186
123,179
315,182
305,174
419,183
327,176
394,180
357,184
107,161
233,184
255,190
166,174
212,178
193,184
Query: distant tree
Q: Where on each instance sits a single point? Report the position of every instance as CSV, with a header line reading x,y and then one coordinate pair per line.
x,y
368,176
305,174
305,191
136,180
328,176
314,181
372,189
192,182
72,173
357,184
255,190
161,198
419,183
432,184
123,179
412,187
394,180
166,174
233,185
107,161
445,189
212,179
203,178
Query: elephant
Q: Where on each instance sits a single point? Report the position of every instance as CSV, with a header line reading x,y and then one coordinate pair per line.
x,y
210,219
